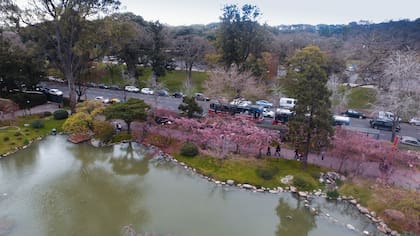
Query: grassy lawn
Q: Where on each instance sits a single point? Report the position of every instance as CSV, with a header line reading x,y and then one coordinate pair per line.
x,y
20,135
174,80
361,98
378,198
245,170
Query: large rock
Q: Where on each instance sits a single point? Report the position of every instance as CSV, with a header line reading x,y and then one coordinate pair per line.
x,y
394,214
247,186
230,182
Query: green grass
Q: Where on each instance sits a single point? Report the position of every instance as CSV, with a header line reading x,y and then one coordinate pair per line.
x,y
245,170
174,80
360,192
20,135
361,98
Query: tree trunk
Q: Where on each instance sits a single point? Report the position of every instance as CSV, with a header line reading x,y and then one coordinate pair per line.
x,y
72,91
128,126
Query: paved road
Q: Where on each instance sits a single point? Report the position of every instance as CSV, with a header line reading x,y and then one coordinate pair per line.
x,y
173,103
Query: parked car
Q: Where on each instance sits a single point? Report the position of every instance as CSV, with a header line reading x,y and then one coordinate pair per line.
x,y
201,97
56,92
264,103
385,124
147,91
161,120
354,114
414,121
410,141
162,92
268,113
341,120
178,95
103,86
114,100
130,88
102,99
242,102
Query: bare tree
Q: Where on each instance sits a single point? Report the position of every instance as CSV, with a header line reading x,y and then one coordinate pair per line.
x,y
191,50
233,83
400,91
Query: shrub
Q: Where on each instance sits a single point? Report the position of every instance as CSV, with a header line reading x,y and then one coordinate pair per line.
x,y
103,130
189,150
26,142
266,173
37,124
333,194
34,98
16,134
303,182
60,114
6,139
121,136
46,114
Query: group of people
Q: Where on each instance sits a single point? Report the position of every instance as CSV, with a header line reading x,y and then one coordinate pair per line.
x,y
277,153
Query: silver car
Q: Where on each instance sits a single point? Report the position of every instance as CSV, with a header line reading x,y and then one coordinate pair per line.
x,y
410,141
415,121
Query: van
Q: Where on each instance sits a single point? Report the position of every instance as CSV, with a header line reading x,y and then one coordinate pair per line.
x,y
287,103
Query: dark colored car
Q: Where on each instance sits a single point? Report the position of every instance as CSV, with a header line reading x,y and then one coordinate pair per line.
x,y
103,86
383,124
201,97
178,95
162,92
354,114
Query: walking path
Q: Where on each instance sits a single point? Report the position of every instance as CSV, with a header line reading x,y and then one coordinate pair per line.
x,y
404,177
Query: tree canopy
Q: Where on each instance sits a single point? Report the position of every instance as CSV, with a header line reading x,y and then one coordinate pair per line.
x,y
307,78
131,110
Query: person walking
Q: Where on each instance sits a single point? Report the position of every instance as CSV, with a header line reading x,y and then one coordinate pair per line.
x,y
278,149
322,154
268,151
296,154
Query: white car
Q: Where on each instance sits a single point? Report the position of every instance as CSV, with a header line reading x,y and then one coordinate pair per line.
x,y
410,141
240,102
132,89
56,92
147,91
415,121
102,99
268,113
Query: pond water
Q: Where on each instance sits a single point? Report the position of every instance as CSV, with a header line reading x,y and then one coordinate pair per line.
x,y
58,188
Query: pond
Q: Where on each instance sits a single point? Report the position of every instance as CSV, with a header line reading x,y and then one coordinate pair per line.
x,y
58,188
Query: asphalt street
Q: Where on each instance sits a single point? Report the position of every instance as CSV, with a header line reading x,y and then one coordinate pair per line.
x,y
172,103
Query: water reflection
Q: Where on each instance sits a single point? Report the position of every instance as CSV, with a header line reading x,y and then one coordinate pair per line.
x,y
129,160
296,221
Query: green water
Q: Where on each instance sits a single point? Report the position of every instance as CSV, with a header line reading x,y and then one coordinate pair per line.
x,y
57,188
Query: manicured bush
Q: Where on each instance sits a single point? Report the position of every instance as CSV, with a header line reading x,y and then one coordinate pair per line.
x,y
103,130
303,182
60,114
5,139
333,194
37,124
16,134
267,173
189,150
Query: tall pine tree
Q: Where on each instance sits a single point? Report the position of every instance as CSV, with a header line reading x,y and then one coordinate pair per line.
x,y
310,129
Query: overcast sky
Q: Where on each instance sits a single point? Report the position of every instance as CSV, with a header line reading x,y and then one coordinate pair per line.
x,y
276,12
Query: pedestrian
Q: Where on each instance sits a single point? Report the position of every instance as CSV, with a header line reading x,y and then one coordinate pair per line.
x,y
296,154
278,149
118,126
322,154
268,151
